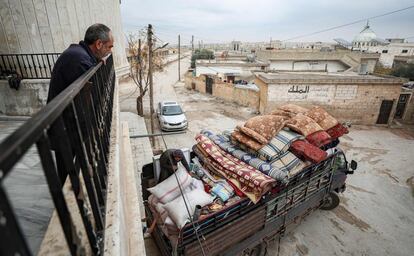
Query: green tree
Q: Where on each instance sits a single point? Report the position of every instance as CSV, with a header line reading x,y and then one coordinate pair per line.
x,y
201,54
406,71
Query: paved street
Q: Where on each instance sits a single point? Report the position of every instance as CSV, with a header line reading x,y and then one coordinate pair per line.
x,y
376,214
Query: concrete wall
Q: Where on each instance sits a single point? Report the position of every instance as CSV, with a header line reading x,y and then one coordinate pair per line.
x,y
225,91
343,58
393,49
42,26
408,116
358,103
289,65
26,101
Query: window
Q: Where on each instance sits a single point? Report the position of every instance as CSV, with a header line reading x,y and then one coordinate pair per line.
x,y
404,51
384,51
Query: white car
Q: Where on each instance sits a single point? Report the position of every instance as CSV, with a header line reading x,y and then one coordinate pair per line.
x,y
171,116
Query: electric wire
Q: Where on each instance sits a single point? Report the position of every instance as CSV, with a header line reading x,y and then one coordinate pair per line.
x,y
348,24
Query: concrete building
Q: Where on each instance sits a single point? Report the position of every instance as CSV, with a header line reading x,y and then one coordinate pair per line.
x,y
317,60
368,41
393,51
39,27
361,99
230,69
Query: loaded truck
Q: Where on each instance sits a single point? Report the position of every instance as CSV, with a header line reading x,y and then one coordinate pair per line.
x,y
245,228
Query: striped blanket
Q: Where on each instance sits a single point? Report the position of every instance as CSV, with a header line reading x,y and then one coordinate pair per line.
x,y
278,145
245,176
279,168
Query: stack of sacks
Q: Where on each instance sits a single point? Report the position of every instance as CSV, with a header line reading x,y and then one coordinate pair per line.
x,y
259,130
168,202
246,178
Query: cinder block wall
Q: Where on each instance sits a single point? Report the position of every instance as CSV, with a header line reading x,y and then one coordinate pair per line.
x,y
359,104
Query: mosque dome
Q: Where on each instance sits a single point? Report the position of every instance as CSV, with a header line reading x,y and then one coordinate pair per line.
x,y
366,37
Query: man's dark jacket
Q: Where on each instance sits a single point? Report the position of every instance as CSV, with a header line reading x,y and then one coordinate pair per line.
x,y
70,65
168,163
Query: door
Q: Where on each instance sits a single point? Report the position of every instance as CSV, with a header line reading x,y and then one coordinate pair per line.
x,y
402,102
209,85
385,111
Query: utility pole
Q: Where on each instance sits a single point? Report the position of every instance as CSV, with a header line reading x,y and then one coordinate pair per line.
x,y
179,74
140,109
151,92
192,44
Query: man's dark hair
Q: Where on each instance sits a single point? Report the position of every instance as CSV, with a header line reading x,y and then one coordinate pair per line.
x,y
95,32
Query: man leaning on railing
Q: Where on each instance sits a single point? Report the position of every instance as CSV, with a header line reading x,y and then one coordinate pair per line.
x,y
71,64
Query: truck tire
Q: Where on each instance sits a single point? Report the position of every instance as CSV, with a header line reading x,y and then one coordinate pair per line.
x,y
330,202
258,250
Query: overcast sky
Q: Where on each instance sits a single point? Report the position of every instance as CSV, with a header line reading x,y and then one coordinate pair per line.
x,y
218,21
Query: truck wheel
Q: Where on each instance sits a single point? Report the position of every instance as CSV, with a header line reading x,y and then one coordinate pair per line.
x,y
258,250
330,202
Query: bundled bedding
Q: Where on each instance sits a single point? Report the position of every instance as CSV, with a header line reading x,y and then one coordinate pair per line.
x,y
254,159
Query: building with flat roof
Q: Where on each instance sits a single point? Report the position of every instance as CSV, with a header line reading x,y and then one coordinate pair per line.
x,y
360,99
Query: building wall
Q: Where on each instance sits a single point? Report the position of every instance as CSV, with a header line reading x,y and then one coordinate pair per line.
x,y
225,91
289,65
44,26
388,52
358,103
26,101
408,116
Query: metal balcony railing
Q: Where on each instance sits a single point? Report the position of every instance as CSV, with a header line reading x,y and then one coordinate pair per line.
x,y
27,66
76,124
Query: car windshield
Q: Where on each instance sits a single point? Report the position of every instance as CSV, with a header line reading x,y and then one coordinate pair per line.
x,y
171,110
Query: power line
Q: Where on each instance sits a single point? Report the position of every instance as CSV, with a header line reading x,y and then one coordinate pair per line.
x,y
348,24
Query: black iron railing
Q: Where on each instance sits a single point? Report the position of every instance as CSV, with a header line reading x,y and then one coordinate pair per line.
x,y
76,125
27,66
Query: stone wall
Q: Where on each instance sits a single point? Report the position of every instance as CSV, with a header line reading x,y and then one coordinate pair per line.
x,y
225,91
26,101
35,26
358,103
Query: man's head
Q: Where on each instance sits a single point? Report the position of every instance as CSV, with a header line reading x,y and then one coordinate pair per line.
x,y
178,155
99,39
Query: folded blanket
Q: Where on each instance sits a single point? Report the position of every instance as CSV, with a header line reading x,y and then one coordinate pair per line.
x,y
319,138
252,134
325,120
302,148
278,144
262,166
249,178
337,131
303,125
292,108
246,140
266,125
283,113
287,163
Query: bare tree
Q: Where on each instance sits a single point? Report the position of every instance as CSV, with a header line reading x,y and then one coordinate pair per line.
x,y
138,61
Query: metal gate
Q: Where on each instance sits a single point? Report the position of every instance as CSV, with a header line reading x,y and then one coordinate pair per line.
x,y
402,102
209,85
385,111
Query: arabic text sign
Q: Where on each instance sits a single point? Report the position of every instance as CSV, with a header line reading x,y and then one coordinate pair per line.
x,y
301,92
